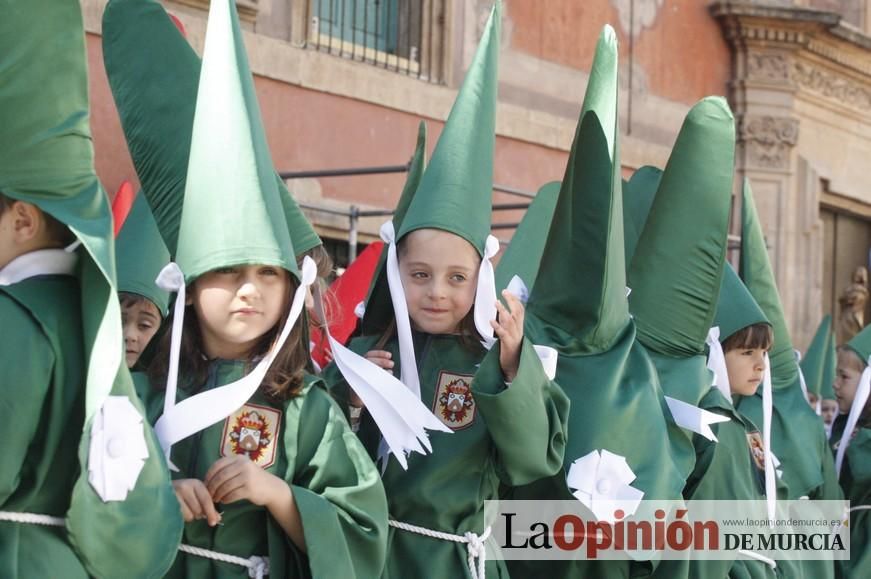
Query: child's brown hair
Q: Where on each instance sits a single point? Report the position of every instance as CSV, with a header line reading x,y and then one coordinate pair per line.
x,y
57,233
285,377
750,337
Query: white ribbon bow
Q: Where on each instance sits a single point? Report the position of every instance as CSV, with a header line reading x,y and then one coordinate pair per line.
x,y
202,410
862,393
601,483
717,363
693,418
485,294
118,450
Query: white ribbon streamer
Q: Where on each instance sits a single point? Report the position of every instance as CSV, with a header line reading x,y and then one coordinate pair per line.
x,y
400,415
801,379
519,289
693,418
408,360
202,410
767,410
485,294
862,392
717,363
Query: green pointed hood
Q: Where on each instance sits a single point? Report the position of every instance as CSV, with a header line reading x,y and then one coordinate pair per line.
x,y
141,254
47,160
232,211
736,308
456,189
796,430
861,344
638,195
581,283
758,275
522,257
379,308
155,91
829,369
578,306
814,360
677,266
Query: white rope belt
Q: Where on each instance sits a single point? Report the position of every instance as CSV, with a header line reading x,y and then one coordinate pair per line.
x,y
751,555
474,544
258,567
32,519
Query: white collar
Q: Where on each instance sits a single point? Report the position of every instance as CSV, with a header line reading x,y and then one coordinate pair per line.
x,y
39,262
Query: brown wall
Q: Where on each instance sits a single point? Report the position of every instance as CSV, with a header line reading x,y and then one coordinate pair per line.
x,y
682,56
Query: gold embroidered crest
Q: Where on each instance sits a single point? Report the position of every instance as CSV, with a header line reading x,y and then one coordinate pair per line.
x,y
454,404
251,431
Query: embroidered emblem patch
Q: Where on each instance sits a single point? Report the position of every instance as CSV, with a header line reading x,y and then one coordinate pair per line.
x,y
251,431
757,449
454,404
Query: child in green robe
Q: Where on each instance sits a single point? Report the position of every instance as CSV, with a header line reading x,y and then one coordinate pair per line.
x,y
268,476
140,254
41,354
853,451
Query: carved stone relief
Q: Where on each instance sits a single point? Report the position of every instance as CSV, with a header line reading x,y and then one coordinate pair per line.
x,y
768,140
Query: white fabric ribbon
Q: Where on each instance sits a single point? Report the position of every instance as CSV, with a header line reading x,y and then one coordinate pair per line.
x,y
519,289
767,411
717,363
39,262
801,379
408,360
400,415
601,482
118,450
485,294
693,418
202,410
862,392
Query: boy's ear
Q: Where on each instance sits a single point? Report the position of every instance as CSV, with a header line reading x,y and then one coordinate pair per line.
x,y
27,221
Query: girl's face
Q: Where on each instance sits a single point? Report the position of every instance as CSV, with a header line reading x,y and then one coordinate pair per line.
x,y
236,305
439,272
745,367
141,320
828,410
846,379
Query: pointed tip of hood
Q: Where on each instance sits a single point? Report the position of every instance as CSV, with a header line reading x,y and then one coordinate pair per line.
x,y
676,270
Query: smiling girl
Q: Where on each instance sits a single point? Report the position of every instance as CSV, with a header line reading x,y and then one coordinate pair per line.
x,y
459,350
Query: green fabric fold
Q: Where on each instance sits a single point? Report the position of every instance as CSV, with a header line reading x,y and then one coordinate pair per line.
x,y
141,254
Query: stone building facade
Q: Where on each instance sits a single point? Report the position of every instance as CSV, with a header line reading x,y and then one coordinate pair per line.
x,y
344,83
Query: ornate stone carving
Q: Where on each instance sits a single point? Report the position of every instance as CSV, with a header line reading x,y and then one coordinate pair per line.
x,y
768,140
768,67
839,88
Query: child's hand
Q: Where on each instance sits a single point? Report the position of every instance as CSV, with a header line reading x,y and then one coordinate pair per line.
x,y
195,501
236,478
381,358
508,327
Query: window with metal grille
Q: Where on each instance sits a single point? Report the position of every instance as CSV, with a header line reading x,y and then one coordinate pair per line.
x,y
406,36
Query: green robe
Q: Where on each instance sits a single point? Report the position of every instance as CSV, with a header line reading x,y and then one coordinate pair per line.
x,y
724,470
856,481
307,442
503,435
42,405
824,486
